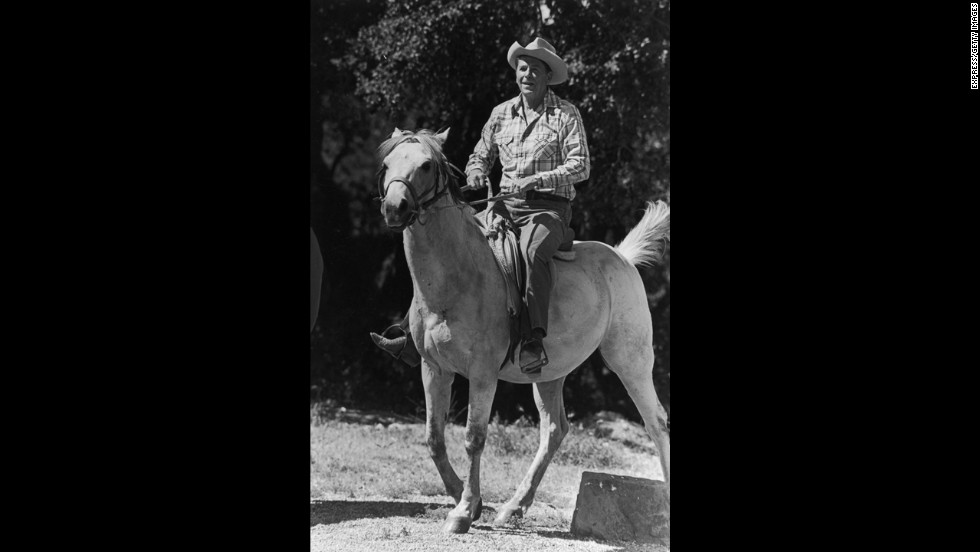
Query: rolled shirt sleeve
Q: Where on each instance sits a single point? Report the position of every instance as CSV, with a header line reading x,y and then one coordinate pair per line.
x,y
485,152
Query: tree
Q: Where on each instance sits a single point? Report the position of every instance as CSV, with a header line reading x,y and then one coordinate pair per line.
x,y
439,63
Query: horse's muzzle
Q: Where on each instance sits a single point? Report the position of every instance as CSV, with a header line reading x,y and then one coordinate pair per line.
x,y
398,216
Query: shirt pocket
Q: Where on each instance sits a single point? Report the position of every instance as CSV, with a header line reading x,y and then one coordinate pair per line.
x,y
543,146
505,147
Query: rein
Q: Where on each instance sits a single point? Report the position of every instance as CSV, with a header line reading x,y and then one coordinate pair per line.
x,y
498,197
420,207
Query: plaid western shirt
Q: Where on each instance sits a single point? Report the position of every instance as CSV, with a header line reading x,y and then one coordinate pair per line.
x,y
548,142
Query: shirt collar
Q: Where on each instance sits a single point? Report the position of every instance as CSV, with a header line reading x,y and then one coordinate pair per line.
x,y
550,102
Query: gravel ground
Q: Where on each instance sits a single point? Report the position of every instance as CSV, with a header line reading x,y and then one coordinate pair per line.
x,y
414,524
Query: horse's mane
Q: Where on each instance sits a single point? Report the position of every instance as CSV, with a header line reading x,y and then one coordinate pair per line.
x,y
426,138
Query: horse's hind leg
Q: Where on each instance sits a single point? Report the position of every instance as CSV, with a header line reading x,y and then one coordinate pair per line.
x,y
438,387
553,427
634,366
654,418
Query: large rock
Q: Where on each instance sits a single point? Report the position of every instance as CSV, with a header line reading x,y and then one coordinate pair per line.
x,y
616,507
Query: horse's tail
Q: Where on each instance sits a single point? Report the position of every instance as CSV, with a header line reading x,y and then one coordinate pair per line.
x,y
644,245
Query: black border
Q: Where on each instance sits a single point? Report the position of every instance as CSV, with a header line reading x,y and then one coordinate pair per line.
x,y
783,120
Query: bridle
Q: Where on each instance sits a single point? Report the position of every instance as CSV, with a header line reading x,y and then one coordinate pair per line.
x,y
419,207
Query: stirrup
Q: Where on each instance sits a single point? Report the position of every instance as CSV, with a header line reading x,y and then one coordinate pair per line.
x,y
534,367
406,353
386,344
384,334
389,345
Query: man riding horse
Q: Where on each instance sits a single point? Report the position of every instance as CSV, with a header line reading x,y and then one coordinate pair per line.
x,y
540,142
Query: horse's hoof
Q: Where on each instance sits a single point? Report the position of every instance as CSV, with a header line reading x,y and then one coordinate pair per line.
x,y
506,512
457,524
479,510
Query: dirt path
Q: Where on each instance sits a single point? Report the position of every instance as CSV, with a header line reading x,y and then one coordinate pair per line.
x,y
414,524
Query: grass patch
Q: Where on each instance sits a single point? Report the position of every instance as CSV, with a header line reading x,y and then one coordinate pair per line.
x,y
579,448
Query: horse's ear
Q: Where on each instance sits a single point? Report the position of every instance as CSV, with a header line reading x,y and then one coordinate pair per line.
x,y
441,137
397,133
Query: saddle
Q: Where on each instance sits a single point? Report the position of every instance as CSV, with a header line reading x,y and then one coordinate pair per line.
x,y
504,239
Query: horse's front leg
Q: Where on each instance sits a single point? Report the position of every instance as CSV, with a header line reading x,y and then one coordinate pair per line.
x,y
438,387
482,389
553,428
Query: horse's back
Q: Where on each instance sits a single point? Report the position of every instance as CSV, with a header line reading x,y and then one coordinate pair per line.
x,y
599,256
608,270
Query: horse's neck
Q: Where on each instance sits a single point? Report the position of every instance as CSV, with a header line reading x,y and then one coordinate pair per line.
x,y
446,254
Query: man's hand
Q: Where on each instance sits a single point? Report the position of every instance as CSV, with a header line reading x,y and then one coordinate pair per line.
x,y
527,183
477,180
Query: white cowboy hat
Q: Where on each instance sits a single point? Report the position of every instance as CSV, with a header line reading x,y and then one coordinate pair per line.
x,y
539,48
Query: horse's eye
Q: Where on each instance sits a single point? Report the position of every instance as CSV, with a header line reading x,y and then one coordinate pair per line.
x,y
426,166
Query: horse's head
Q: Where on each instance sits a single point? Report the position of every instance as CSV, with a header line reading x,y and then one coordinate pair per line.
x,y
414,175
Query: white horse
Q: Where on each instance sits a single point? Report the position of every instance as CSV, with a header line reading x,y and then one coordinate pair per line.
x,y
459,320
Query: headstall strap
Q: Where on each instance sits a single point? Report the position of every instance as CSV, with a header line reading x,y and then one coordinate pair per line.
x,y
420,207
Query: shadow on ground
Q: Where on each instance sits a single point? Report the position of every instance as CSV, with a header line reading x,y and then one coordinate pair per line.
x,y
336,511
325,412
565,535
531,529
323,512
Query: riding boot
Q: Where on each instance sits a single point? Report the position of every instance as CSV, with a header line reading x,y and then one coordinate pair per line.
x,y
401,347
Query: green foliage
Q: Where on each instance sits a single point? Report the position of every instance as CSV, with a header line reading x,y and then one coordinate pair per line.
x,y
441,63
618,54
